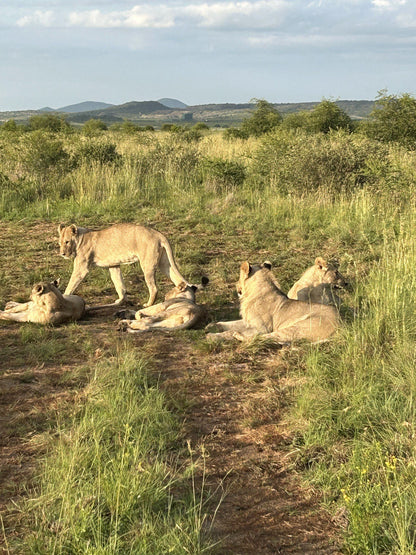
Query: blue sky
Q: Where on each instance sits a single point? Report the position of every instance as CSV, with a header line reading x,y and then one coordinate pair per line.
x,y
59,52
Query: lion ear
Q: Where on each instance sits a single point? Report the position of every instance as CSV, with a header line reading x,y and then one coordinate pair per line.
x,y
74,229
245,268
320,262
61,227
56,282
267,265
39,288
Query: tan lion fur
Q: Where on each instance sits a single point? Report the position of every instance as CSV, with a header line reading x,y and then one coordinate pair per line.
x,y
266,310
318,284
47,305
179,311
119,244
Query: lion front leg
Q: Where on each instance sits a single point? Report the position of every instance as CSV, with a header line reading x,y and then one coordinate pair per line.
x,y
78,274
12,306
235,329
14,316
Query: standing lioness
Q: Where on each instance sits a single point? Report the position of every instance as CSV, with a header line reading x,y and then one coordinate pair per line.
x,y
267,311
116,245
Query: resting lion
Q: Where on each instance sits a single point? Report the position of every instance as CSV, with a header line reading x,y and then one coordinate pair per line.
x,y
318,284
47,306
179,311
113,246
267,311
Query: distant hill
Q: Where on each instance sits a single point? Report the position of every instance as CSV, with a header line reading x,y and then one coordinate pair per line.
x,y
172,103
156,113
87,106
137,108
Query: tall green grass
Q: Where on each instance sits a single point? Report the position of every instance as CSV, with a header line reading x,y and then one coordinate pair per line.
x,y
114,480
358,406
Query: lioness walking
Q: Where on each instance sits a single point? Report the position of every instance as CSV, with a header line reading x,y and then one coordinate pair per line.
x,y
266,310
47,305
116,245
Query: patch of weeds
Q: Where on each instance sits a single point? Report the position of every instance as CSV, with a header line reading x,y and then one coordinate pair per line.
x,y
27,377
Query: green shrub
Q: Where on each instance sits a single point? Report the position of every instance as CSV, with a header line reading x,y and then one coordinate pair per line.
x,y
49,122
235,133
40,154
219,174
93,127
99,152
327,116
298,162
264,118
393,119
200,126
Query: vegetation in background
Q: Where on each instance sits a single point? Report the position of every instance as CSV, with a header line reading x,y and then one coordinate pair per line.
x,y
393,119
290,194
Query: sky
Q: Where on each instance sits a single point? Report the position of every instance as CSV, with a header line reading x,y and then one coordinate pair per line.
x,y
60,52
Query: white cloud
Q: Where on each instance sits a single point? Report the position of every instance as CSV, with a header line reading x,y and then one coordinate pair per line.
x,y
39,18
388,4
137,17
263,13
236,14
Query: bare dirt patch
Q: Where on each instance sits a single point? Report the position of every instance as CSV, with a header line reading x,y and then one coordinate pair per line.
x,y
236,420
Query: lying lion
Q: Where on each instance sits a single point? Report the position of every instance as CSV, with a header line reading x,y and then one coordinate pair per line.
x,y
267,311
113,246
47,306
179,311
318,284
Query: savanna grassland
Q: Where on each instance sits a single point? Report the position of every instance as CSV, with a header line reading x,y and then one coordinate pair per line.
x,y
166,443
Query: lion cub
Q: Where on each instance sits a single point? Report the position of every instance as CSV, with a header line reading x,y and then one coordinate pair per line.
x,y
179,311
266,310
318,284
47,305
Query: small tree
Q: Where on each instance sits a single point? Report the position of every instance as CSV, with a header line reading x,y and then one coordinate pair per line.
x,y
393,119
93,127
326,116
264,119
49,122
10,125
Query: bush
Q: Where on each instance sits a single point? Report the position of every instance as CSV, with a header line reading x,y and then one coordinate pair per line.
x,y
49,122
298,162
235,133
9,126
393,119
221,174
93,127
327,116
40,154
263,120
98,152
200,126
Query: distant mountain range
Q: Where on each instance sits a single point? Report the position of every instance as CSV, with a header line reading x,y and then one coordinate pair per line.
x,y
169,110
91,106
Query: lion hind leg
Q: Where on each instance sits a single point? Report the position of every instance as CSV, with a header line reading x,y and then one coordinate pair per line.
x,y
149,278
